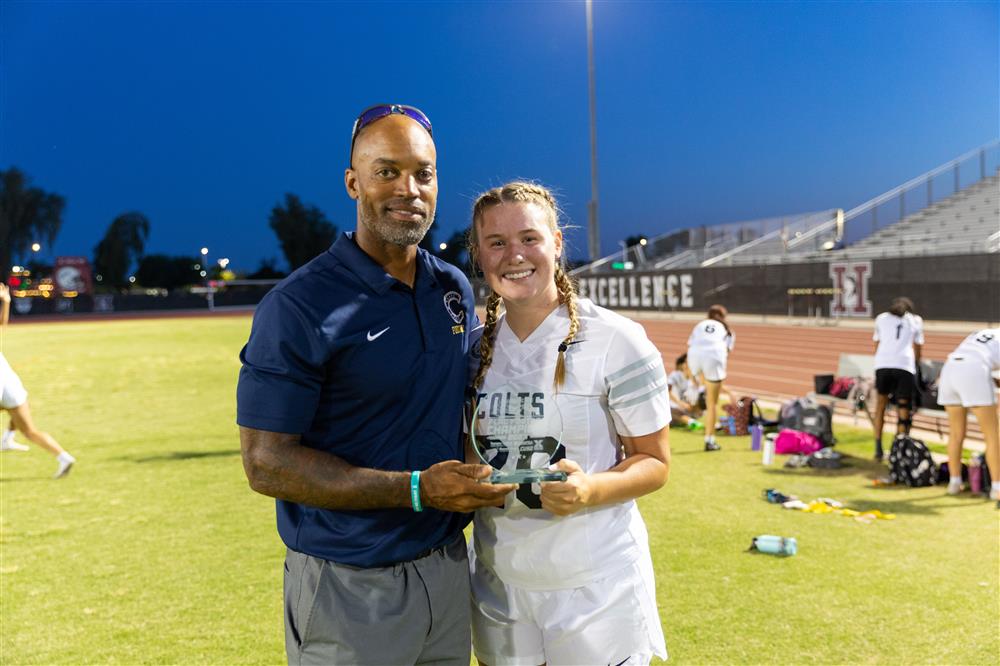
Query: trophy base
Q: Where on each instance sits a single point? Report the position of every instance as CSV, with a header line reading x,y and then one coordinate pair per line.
x,y
527,476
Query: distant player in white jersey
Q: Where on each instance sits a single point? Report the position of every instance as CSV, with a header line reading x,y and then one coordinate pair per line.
x,y
967,383
899,336
14,399
562,574
709,346
685,395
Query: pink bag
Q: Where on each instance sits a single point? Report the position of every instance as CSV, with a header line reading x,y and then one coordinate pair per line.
x,y
794,441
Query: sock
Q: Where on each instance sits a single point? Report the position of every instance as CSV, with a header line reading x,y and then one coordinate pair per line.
x,y
65,457
956,480
710,439
995,486
7,436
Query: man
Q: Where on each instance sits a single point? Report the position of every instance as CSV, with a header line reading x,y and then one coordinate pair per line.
x,y
350,407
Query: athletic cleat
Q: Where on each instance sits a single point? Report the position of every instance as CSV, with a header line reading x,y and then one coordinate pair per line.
x,y
712,446
10,445
954,488
64,467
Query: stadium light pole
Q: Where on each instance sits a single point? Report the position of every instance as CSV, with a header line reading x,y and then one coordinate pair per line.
x,y
594,236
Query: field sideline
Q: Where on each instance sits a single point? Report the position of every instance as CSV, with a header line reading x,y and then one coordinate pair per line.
x,y
155,550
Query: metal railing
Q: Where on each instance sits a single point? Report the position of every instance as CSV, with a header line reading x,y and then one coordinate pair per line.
x,y
792,236
921,192
694,245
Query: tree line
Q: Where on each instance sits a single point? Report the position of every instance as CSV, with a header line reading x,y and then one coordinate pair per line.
x,y
29,214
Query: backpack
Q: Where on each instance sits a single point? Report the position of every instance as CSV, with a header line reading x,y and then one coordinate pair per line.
x,y
910,462
841,387
806,416
927,385
743,414
793,441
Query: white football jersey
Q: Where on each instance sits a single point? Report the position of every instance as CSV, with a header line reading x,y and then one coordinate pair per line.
x,y
615,384
711,334
895,337
683,387
983,345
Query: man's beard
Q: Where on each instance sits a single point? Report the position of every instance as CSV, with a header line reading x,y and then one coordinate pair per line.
x,y
392,231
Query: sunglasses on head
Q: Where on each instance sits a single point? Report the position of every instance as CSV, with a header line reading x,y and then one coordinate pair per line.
x,y
373,113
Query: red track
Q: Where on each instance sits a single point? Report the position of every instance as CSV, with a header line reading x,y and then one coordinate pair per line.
x,y
778,361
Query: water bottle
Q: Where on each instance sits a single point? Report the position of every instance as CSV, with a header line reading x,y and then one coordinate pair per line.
x,y
731,425
768,456
975,475
775,545
756,435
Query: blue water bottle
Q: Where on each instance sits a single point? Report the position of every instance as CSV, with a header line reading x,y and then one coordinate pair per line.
x,y
775,545
731,424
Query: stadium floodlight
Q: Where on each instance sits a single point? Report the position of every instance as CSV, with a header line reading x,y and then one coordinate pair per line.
x,y
131,279
223,262
442,246
35,247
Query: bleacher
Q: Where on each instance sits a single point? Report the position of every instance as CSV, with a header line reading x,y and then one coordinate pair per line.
x,y
965,222
952,209
763,240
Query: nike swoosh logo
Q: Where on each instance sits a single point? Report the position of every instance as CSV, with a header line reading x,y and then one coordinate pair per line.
x,y
622,661
374,337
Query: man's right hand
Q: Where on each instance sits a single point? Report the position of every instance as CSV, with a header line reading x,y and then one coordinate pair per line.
x,y
455,486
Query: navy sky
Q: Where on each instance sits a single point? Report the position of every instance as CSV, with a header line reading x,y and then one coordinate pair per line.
x,y
202,115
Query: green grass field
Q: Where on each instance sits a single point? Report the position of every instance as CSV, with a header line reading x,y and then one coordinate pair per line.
x,y
154,549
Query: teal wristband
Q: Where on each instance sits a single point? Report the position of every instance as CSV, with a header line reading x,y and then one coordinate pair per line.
x,y
415,491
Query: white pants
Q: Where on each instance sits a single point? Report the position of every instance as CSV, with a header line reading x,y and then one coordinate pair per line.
x,y
967,382
613,620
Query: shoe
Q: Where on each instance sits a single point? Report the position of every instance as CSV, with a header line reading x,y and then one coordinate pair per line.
x,y
954,488
64,467
10,445
879,454
712,446
995,494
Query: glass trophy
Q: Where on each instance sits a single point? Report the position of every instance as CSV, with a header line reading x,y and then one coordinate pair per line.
x,y
517,432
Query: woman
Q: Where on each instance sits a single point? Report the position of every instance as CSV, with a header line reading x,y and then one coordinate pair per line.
x,y
898,337
561,574
685,394
14,399
966,384
709,346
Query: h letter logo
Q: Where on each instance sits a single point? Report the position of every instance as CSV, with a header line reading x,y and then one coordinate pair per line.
x,y
850,288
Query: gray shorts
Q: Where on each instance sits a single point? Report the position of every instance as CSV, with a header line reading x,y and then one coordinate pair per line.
x,y
416,612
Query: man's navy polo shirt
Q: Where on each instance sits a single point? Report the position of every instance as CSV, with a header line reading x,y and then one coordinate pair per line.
x,y
372,371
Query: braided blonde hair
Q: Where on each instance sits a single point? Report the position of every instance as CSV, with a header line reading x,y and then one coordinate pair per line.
x,y
521,192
